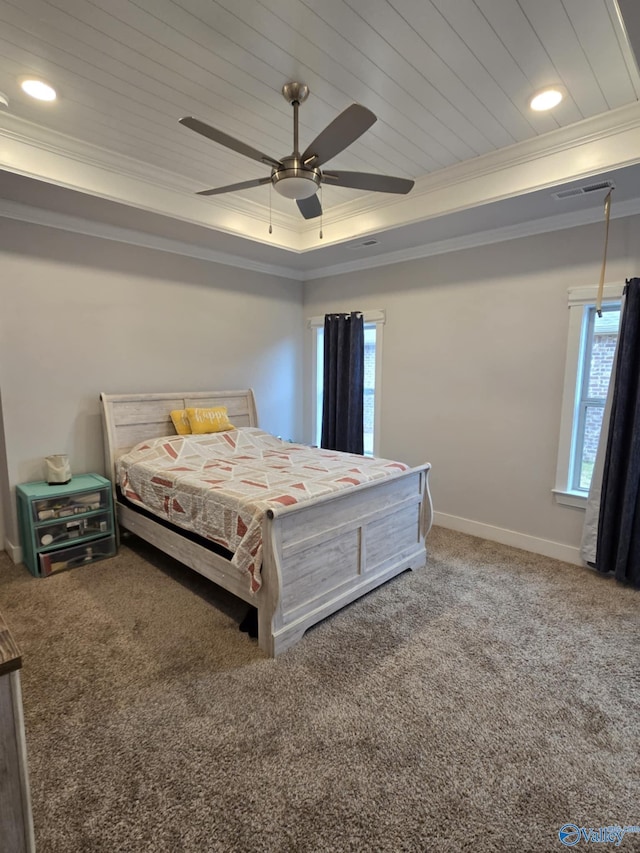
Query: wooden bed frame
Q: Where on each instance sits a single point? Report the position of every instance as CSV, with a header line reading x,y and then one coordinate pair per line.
x,y
318,556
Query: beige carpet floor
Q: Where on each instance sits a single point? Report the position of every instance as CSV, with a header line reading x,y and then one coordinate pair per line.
x,y
475,705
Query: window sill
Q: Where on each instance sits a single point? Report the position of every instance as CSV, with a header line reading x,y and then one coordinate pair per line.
x,y
570,498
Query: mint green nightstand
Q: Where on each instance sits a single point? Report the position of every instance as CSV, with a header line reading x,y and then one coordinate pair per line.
x,y
63,526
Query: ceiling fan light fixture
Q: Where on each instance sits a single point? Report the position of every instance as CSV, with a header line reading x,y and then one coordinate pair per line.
x,y
546,99
296,187
294,181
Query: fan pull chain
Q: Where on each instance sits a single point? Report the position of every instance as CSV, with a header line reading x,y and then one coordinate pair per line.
x,y
607,214
321,210
270,227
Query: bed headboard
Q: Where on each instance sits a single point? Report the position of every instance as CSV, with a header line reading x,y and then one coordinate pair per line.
x,y
131,418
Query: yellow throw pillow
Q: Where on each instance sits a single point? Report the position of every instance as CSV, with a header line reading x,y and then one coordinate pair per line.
x,y
204,421
181,421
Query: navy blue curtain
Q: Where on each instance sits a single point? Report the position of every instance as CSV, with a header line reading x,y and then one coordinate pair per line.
x,y
343,397
618,548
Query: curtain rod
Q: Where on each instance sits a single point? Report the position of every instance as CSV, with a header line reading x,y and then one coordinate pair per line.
x,y
375,315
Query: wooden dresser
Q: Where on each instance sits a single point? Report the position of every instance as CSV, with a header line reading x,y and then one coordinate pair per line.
x,y
16,824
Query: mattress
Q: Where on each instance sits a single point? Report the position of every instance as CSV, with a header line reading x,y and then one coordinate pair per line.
x,y
220,486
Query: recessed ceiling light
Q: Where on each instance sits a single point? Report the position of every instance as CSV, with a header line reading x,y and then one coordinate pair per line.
x,y
4,101
546,99
38,89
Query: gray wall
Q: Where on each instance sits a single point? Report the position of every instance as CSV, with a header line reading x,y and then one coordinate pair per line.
x,y
473,361
473,368
81,315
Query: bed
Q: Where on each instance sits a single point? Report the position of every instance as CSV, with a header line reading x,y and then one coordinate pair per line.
x,y
317,555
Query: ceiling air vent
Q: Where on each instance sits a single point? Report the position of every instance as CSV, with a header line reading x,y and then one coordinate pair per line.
x,y
363,244
587,188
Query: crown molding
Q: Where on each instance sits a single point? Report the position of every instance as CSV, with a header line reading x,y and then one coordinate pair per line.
x,y
558,222
36,152
75,224
52,219
598,128
19,130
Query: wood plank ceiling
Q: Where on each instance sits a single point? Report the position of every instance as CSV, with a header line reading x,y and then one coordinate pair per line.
x,y
449,80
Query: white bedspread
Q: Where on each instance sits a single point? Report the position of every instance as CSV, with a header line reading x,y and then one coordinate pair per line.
x,y
220,485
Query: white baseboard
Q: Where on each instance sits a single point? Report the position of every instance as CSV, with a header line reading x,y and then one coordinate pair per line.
x,y
546,547
14,551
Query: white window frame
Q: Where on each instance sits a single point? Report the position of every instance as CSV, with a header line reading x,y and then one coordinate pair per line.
x,y
579,298
375,317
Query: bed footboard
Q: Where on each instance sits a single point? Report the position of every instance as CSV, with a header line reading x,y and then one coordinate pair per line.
x,y
319,556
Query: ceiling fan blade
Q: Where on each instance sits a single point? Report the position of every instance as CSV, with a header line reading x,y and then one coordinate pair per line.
x,y
310,207
231,188
228,141
367,181
343,130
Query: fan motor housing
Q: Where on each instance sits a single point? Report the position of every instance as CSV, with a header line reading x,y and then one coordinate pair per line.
x,y
294,179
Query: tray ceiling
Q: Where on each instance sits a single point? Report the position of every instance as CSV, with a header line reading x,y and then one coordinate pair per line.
x,y
449,81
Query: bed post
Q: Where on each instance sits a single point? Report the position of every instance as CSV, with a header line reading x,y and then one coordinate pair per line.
x,y
109,445
269,610
427,503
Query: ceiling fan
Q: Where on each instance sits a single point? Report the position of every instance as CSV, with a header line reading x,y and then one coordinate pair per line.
x,y
299,176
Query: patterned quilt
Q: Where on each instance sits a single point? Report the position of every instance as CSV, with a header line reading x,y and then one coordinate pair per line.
x,y
221,485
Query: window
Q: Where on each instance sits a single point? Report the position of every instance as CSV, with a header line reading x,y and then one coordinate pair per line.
x,y
599,343
373,323
590,354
